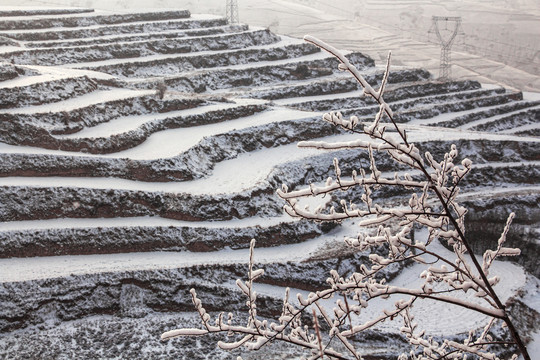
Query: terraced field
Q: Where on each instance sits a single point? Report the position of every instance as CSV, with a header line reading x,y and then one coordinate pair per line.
x,y
140,153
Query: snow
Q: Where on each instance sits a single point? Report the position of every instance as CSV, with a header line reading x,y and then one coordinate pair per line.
x,y
518,129
531,96
172,142
60,71
444,323
193,17
534,346
147,34
21,81
292,101
95,13
419,133
26,7
261,64
254,167
449,116
495,118
25,269
129,123
143,59
144,221
50,73
93,98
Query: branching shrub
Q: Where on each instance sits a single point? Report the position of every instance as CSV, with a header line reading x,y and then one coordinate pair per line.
x,y
432,205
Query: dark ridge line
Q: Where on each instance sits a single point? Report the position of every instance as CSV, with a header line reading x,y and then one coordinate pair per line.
x,y
180,33
40,12
133,50
46,23
119,29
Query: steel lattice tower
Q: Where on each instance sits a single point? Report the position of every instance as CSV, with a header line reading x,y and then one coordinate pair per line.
x,y
446,44
232,11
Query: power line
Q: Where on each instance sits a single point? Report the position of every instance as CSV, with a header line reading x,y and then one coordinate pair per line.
x,y
512,54
232,11
446,44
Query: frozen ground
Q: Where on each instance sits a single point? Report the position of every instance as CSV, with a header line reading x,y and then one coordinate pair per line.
x,y
243,157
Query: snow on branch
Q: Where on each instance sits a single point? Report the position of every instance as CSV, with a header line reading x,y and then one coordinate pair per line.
x,y
431,204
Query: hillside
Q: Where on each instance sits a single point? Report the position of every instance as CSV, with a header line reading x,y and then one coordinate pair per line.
x,y
140,153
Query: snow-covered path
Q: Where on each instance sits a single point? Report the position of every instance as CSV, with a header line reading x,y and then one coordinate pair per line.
x,y
283,41
25,269
172,142
228,177
93,98
144,221
129,123
487,120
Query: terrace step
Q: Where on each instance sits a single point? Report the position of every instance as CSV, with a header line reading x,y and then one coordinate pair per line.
x,y
430,107
179,64
197,161
333,85
155,281
86,54
45,92
79,20
110,236
506,123
8,71
40,12
265,74
154,122
24,203
164,34
407,94
90,110
535,131
89,32
459,120
79,296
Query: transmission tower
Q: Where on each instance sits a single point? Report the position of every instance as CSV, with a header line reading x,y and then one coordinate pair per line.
x,y
446,44
232,11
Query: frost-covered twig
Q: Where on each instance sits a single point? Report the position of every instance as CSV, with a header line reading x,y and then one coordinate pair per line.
x,y
442,181
432,204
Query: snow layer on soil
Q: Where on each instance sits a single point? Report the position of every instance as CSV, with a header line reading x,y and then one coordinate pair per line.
x,y
495,118
141,60
93,98
128,123
144,221
49,73
172,142
518,129
193,17
230,176
24,269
